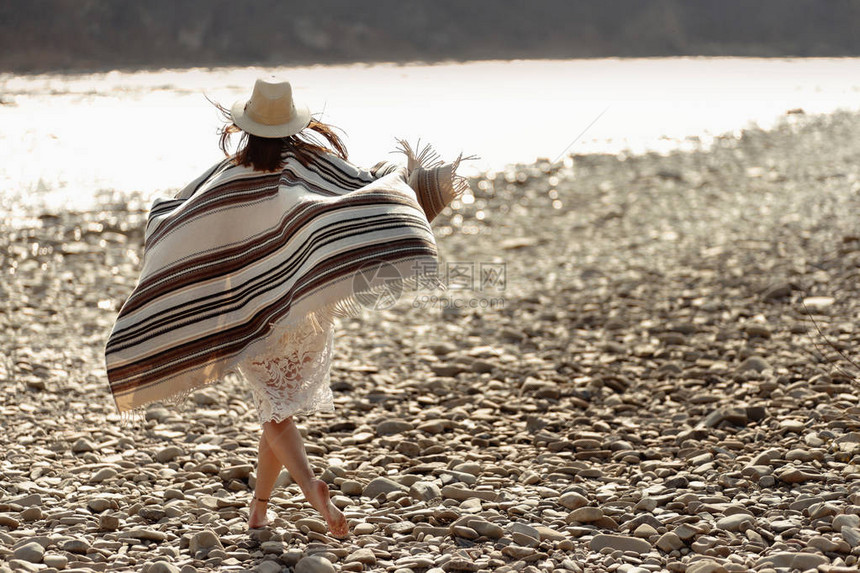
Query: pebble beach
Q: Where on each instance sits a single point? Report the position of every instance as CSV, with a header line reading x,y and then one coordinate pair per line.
x,y
662,378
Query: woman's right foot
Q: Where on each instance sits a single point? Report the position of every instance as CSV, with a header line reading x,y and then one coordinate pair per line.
x,y
319,498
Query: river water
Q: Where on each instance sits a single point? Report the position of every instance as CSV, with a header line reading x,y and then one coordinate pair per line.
x,y
73,141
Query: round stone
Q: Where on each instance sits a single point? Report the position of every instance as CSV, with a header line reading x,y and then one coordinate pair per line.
x,y
736,522
364,529
572,500
55,561
620,543
203,540
314,564
585,514
168,453
162,567
31,552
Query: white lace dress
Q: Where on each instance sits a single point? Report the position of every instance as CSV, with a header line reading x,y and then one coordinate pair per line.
x,y
295,378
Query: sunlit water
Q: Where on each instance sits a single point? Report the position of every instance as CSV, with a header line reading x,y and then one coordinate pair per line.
x,y
69,141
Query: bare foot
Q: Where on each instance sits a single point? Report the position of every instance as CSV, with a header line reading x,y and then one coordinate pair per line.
x,y
257,515
319,498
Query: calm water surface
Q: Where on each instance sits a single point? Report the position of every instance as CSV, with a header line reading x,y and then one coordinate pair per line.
x,y
71,141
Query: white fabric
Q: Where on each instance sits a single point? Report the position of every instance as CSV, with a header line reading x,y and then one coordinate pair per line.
x,y
294,380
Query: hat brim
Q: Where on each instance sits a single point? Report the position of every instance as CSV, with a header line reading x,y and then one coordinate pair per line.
x,y
295,125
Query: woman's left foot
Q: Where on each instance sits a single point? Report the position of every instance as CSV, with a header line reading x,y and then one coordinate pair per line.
x,y
257,514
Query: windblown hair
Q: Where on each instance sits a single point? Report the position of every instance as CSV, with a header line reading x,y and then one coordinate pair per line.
x,y
268,153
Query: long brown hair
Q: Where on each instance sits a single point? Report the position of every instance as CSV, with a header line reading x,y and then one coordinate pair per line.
x,y
268,153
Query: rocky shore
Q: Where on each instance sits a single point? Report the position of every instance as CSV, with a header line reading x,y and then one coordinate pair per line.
x,y
660,380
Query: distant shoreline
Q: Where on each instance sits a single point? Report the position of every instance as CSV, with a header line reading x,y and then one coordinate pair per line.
x,y
154,68
42,36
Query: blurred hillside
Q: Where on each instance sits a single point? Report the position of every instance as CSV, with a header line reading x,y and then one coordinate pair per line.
x,y
44,35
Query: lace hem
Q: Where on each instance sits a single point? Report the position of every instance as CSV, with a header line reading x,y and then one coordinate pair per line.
x,y
293,378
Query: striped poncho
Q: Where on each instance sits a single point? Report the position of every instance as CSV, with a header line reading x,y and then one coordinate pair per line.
x,y
239,257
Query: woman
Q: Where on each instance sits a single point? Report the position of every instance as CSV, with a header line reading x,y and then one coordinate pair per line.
x,y
246,268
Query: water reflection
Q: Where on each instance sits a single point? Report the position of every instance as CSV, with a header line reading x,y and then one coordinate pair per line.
x,y
75,141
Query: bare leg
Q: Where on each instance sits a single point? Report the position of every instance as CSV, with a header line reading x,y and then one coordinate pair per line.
x,y
286,442
268,468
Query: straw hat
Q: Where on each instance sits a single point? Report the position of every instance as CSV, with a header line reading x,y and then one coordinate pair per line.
x,y
271,111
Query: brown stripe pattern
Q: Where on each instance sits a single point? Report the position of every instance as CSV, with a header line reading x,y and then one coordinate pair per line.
x,y
239,253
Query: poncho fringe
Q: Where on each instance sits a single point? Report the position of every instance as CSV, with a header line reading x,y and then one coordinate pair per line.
x,y
435,184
